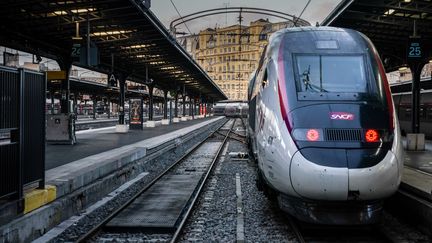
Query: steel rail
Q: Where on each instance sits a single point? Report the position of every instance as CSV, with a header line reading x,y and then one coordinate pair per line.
x,y
201,186
100,225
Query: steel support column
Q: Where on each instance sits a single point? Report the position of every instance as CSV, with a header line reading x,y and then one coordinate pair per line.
x,y
415,104
184,105
176,105
94,107
150,108
122,83
165,115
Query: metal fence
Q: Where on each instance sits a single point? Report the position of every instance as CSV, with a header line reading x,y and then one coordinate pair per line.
x,y
9,132
22,130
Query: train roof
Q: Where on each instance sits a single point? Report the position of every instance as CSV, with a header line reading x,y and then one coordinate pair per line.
x,y
344,40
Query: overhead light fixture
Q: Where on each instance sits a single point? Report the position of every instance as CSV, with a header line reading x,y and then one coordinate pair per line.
x,y
147,56
157,63
74,11
389,12
406,1
403,68
168,68
137,46
111,32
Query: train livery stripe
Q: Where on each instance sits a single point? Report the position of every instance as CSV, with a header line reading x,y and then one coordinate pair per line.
x,y
282,90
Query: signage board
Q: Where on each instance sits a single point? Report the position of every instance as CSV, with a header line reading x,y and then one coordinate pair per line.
x,y
135,113
416,52
112,80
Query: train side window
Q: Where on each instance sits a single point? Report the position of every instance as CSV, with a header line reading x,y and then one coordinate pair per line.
x,y
264,80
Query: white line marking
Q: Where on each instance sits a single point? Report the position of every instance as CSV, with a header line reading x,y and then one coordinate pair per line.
x,y
240,214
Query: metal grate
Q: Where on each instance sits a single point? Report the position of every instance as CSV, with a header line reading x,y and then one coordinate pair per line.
x,y
343,134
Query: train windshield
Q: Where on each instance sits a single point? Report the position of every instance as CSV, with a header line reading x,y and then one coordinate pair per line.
x,y
331,74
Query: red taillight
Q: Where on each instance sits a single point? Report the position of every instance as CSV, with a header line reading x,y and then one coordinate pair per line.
x,y
371,136
312,135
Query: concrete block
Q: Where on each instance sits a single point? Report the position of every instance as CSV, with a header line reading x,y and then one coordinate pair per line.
x,y
415,141
420,141
150,124
36,198
122,128
176,119
165,122
184,118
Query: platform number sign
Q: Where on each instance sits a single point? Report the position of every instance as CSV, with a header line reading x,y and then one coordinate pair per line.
x,y
415,50
76,50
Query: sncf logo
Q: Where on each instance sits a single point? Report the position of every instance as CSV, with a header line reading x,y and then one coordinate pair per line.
x,y
341,116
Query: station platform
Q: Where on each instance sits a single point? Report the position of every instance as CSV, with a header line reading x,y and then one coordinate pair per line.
x,y
102,160
94,141
90,123
413,200
417,175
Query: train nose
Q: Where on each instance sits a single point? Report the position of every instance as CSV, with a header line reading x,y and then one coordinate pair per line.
x,y
323,182
315,181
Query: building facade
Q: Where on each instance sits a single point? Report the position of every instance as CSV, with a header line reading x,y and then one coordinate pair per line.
x,y
229,55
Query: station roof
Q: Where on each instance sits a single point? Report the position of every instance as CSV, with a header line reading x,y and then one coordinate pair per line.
x,y
125,28
388,23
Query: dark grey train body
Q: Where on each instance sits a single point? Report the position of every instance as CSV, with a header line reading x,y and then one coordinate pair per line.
x,y
322,125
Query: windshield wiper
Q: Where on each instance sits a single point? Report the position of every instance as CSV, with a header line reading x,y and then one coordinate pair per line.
x,y
308,84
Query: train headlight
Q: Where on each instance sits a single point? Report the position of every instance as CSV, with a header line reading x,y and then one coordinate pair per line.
x,y
308,134
371,136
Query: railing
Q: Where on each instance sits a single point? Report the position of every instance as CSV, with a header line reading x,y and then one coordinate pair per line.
x,y
22,130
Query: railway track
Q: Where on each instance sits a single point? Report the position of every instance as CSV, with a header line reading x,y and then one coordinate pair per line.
x,y
190,165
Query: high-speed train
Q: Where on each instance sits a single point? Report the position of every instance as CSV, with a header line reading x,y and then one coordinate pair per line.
x,y
322,126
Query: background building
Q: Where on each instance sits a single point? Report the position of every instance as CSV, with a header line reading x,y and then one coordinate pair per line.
x,y
229,55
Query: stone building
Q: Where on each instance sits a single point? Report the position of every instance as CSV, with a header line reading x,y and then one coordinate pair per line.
x,y
231,54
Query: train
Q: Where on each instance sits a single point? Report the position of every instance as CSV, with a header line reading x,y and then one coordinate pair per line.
x,y
322,126
231,108
403,107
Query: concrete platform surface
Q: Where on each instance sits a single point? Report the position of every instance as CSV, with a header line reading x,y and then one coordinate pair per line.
x,y
101,140
417,182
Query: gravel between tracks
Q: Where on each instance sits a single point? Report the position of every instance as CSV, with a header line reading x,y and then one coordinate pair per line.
x,y
215,216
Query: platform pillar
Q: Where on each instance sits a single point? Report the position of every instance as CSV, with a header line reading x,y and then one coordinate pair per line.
x,y
176,105
150,108
94,107
165,115
52,101
122,83
415,104
184,105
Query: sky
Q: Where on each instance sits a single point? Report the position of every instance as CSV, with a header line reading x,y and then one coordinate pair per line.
x,y
165,11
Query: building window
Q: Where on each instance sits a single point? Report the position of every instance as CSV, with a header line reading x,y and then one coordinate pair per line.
x,y
229,49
